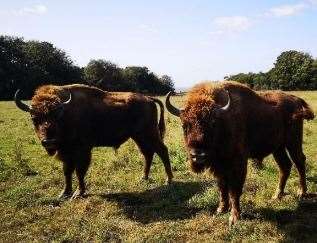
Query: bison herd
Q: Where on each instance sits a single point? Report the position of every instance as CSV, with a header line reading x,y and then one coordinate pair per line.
x,y
224,124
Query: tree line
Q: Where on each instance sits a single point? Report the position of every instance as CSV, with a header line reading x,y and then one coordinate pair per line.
x,y
28,64
293,70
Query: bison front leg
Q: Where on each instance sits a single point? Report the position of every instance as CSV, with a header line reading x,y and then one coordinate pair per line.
x,y
83,162
235,207
68,168
224,196
235,186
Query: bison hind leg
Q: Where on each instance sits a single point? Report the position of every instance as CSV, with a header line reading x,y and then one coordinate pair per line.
x,y
299,159
162,152
150,145
148,156
295,150
148,153
285,166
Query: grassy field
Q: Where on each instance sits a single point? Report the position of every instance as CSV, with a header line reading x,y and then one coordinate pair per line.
x,y
120,207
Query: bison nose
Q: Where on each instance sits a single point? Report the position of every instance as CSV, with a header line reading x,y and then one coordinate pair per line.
x,y
48,142
45,142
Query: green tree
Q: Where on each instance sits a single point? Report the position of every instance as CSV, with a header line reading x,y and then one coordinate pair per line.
x,y
29,64
105,75
292,71
167,84
138,76
13,69
246,78
147,82
313,83
26,65
47,64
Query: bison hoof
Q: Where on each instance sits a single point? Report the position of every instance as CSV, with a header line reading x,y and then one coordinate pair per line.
x,y
146,179
222,209
302,194
78,194
278,195
233,219
169,182
64,195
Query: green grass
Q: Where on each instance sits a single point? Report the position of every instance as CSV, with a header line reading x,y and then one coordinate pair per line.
x,y
120,207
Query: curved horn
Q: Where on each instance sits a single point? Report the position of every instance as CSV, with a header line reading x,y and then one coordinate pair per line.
x,y
226,107
172,109
60,108
68,100
19,103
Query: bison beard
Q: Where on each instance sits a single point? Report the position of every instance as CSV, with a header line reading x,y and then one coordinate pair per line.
x,y
253,125
70,120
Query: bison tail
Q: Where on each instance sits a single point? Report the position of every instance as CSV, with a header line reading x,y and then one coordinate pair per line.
x,y
305,113
161,124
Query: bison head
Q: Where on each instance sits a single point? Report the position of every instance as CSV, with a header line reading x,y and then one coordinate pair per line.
x,y
46,115
202,125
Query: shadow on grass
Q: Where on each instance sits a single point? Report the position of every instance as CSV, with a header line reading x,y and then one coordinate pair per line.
x,y
161,203
298,225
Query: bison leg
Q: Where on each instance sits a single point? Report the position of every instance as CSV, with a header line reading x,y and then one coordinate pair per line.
x,y
285,166
68,168
162,152
148,156
147,151
235,207
235,186
224,196
150,145
82,165
294,147
299,159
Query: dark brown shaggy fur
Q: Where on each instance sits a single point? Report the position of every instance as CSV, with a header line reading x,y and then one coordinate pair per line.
x,y
255,125
96,118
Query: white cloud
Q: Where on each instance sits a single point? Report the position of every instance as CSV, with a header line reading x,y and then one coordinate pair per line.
x,y
287,10
33,10
148,28
231,24
217,32
313,2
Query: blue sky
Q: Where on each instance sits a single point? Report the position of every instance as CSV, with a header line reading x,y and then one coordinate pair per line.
x,y
188,40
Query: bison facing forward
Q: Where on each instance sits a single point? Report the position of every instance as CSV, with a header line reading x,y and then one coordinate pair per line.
x,y
226,123
71,120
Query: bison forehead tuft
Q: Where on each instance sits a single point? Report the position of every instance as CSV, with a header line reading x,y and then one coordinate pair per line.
x,y
46,98
200,109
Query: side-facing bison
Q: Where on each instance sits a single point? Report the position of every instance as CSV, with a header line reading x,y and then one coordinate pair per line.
x,y
225,123
70,120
